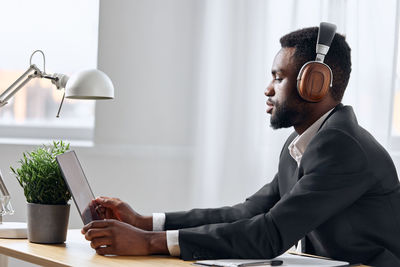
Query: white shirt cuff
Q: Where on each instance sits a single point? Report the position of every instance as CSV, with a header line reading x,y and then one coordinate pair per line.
x,y
158,221
172,236
173,243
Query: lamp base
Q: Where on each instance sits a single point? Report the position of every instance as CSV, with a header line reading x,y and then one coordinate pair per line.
x,y
13,230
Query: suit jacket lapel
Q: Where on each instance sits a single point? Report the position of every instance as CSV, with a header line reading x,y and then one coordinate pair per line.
x,y
294,178
288,172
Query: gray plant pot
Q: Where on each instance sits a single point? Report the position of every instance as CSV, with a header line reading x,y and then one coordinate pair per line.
x,y
47,224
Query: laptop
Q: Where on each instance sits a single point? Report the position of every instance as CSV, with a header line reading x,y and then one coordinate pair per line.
x,y
78,185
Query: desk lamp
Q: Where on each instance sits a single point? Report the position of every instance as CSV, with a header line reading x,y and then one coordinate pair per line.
x,y
88,84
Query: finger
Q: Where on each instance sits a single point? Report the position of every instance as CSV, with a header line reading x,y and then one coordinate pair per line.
x,y
101,241
107,202
102,198
97,224
99,200
96,233
105,250
109,214
101,211
100,208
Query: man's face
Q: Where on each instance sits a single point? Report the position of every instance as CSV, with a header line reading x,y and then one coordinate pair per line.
x,y
284,104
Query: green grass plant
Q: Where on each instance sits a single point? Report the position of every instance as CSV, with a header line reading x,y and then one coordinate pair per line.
x,y
40,176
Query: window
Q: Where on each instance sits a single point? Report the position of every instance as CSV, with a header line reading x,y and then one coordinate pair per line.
x,y
67,32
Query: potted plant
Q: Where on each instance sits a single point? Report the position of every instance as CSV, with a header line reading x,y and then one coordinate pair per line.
x,y
46,193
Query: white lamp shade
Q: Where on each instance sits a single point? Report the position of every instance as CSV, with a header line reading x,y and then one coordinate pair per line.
x,y
89,84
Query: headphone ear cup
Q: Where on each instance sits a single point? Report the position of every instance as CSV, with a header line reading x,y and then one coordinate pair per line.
x,y
314,81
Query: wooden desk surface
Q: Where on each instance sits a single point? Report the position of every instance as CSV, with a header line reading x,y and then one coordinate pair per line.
x,y
77,252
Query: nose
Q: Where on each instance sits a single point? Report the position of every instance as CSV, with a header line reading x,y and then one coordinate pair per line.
x,y
269,91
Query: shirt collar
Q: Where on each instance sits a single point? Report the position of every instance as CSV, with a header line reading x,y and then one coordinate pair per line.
x,y
299,145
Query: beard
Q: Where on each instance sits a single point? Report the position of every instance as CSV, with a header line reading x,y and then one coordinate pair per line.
x,y
286,115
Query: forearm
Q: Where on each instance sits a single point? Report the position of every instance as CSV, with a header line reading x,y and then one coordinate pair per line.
x,y
261,202
158,243
198,217
145,223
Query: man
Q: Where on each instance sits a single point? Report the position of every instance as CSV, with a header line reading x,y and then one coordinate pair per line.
x,y
336,188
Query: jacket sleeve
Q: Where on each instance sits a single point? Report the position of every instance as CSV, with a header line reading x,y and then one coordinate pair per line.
x,y
258,203
335,176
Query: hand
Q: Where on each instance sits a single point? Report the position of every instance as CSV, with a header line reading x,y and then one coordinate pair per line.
x,y
114,208
118,238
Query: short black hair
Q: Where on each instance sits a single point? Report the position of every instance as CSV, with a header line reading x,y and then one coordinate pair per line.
x,y
338,57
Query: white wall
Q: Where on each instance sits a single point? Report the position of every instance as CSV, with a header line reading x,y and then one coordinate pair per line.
x,y
143,138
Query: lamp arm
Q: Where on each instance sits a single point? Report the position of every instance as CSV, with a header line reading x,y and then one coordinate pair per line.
x,y
19,83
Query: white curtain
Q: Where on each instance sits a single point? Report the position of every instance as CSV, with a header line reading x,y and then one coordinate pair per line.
x,y
236,150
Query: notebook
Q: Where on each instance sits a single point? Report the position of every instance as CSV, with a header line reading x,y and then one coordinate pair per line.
x,y
287,260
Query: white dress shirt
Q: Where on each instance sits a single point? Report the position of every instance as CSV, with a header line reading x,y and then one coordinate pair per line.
x,y
296,150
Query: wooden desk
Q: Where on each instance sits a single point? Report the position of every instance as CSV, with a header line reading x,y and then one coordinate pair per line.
x,y
77,252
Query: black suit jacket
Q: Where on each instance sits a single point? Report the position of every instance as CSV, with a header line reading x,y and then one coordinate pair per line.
x,y
344,199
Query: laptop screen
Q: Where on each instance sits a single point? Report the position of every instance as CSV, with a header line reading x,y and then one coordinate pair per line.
x,y
78,185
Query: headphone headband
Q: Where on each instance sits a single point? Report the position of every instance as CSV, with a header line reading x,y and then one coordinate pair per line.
x,y
326,33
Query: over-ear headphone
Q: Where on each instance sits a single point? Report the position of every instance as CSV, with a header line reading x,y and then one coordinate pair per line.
x,y
315,77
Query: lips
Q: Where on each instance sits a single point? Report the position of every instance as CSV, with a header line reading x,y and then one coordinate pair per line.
x,y
270,106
